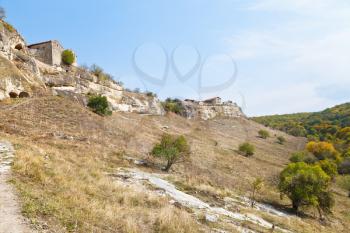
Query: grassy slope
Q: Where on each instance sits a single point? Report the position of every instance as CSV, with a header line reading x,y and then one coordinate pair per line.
x,y
64,153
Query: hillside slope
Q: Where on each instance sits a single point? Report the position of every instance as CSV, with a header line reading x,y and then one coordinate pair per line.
x,y
321,125
65,153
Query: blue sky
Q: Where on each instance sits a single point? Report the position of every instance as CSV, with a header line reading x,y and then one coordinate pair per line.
x,y
270,56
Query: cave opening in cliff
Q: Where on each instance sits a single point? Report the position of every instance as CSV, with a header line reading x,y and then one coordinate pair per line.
x,y
24,94
19,47
13,94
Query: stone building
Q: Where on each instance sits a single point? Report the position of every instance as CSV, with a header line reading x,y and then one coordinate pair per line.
x,y
49,52
213,101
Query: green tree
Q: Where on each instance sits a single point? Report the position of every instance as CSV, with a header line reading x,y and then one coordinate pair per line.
x,y
264,134
304,184
256,186
246,149
172,149
323,150
68,57
329,167
99,105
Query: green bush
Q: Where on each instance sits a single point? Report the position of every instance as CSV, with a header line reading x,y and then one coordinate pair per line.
x,y
172,149
246,149
151,94
68,57
298,157
281,140
303,156
329,167
173,105
264,134
99,105
306,185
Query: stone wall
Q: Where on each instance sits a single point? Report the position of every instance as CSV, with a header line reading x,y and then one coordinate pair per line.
x,y
49,52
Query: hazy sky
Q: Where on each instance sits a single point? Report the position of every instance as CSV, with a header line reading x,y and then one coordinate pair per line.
x,y
271,56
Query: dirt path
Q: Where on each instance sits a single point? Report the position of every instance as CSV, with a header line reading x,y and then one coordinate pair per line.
x,y
11,220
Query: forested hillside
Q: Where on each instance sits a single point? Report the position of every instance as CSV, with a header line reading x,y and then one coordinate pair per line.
x,y
331,125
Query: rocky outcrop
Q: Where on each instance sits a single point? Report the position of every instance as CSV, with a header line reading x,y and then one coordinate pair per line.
x,y
141,103
210,109
12,81
10,40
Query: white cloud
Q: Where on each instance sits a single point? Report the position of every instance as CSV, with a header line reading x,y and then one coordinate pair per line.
x,y
309,46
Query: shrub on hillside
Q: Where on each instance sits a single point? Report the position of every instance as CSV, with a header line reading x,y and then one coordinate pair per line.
x,y
246,149
99,105
172,149
68,57
281,140
306,185
102,76
173,105
264,134
323,150
151,94
298,157
303,156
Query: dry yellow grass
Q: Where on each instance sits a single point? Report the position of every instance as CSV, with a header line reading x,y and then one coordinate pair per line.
x,y
64,152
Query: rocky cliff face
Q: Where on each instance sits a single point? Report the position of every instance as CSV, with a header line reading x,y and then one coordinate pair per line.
x,y
206,111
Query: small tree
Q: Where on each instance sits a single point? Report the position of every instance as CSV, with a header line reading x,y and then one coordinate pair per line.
x,y
281,140
68,57
246,149
171,148
323,150
96,70
99,105
304,184
256,187
264,134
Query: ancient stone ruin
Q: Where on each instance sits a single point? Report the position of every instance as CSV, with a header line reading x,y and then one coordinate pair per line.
x,y
49,52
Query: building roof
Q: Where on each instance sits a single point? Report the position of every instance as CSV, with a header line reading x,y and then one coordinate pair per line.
x,y
44,42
